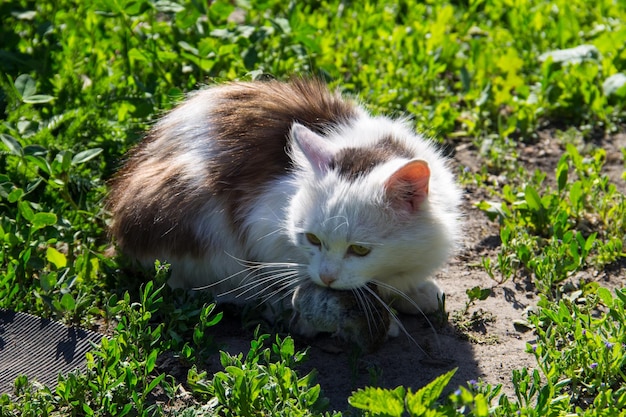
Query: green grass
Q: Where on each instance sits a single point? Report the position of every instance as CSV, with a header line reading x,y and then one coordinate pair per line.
x,y
82,80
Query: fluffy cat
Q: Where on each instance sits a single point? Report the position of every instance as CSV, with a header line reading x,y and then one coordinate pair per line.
x,y
249,188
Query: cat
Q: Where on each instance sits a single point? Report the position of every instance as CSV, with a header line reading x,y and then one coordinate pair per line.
x,y
249,188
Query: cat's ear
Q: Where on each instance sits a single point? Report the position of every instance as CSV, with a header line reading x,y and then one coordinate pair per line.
x,y
315,148
407,188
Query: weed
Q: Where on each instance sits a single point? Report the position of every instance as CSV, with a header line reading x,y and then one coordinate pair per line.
x,y
263,382
81,81
554,233
580,357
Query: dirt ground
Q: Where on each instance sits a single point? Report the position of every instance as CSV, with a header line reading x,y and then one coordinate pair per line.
x,y
493,347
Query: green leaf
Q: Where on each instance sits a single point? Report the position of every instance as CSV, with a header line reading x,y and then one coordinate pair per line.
x,y
12,144
87,410
425,398
68,302
41,220
481,406
25,210
564,313
287,348
187,47
27,88
282,24
48,281
621,294
25,85
40,162
207,318
55,257
589,241
235,371
151,360
135,7
545,395
167,6
38,99
15,195
84,156
63,160
493,210
576,194
24,15
379,401
605,296
32,185
562,171
551,315
156,381
477,293
532,199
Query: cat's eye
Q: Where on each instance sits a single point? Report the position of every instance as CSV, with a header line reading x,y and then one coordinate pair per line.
x,y
313,240
358,250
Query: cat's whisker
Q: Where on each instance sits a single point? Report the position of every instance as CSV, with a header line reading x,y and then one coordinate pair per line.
x,y
396,319
260,279
364,307
223,280
250,268
278,230
250,271
261,265
245,284
369,310
374,315
275,281
283,291
286,290
344,218
413,303
373,308
365,243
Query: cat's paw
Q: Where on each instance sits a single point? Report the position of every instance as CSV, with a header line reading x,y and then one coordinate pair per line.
x,y
424,299
394,329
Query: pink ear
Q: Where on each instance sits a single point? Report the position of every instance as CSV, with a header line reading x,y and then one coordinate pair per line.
x,y
317,150
407,188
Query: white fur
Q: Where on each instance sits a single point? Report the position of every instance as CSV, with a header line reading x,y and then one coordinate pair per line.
x,y
405,250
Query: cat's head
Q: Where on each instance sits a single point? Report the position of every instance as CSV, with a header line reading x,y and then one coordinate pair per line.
x,y
365,213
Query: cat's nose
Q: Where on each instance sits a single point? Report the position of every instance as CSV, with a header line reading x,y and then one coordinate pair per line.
x,y
327,279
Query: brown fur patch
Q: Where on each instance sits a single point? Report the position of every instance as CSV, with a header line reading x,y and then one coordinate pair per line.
x,y
155,208
355,162
253,121
152,208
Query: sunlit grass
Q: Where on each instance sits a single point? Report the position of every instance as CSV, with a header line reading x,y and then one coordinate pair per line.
x,y
81,82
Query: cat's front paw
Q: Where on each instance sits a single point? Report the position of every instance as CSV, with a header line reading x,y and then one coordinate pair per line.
x,y
394,329
424,299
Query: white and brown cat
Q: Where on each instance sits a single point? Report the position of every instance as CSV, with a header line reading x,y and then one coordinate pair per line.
x,y
249,189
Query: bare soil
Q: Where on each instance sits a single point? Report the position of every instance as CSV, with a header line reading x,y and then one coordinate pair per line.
x,y
489,348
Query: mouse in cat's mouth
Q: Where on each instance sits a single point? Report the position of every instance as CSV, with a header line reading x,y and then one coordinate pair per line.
x,y
357,317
